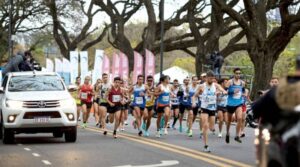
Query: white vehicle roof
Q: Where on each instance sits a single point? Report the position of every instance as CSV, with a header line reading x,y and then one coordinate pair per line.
x,y
32,73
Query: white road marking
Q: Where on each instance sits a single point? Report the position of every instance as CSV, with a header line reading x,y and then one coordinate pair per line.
x,y
46,162
27,149
36,154
163,163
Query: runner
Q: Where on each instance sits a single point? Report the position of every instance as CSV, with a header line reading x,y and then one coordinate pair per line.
x,y
115,100
236,88
103,104
77,99
175,102
209,91
96,99
125,107
163,91
184,103
149,105
246,100
86,94
221,107
193,88
139,92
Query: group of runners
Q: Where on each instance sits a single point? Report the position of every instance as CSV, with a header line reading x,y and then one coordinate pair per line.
x,y
205,97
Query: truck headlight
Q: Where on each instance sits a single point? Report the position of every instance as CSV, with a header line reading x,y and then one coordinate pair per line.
x,y
67,102
14,104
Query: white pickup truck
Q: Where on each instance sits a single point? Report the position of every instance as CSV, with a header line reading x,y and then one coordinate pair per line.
x,y
36,102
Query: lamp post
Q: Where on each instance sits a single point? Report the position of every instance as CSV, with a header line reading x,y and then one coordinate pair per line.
x,y
10,42
162,35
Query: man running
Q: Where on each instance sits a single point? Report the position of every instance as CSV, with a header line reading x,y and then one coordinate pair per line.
x,y
125,107
163,91
96,100
236,89
209,91
175,102
184,102
115,100
221,106
86,95
103,104
77,99
150,99
139,92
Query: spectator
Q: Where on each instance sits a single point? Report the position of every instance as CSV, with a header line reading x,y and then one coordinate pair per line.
x,y
218,63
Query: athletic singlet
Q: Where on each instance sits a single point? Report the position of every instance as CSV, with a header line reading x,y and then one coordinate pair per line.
x,y
164,98
86,93
175,100
184,100
209,97
222,100
149,100
115,96
103,92
139,96
192,91
235,94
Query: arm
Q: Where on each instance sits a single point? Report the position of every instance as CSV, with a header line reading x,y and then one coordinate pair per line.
x,y
220,89
197,93
107,98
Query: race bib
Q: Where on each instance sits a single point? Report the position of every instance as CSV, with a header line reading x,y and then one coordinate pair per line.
x,y
185,99
237,95
211,99
84,96
116,98
139,100
166,98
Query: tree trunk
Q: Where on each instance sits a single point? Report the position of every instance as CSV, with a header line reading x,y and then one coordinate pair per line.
x,y
263,67
199,62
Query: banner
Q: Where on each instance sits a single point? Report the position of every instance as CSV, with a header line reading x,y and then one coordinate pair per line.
x,y
58,66
106,65
115,66
74,65
98,63
124,66
138,66
150,64
49,65
84,68
66,71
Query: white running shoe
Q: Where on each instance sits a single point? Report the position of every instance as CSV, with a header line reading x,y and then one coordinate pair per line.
x,y
157,134
166,131
220,135
206,149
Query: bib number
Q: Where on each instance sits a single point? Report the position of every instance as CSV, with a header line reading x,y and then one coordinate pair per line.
x,y
166,98
237,95
212,100
139,100
116,98
84,96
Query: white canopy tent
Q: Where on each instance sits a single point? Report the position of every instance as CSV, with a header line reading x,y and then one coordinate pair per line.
x,y
174,72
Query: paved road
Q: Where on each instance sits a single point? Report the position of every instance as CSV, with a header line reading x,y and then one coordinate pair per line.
x,y
94,149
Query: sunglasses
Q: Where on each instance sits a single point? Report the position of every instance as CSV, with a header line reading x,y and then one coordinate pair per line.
x,y
238,73
149,80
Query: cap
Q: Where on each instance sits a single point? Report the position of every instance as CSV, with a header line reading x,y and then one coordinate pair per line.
x,y
203,75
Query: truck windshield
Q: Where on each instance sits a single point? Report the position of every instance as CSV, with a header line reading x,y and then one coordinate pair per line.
x,y
35,83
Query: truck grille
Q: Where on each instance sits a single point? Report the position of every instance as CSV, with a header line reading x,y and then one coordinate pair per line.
x,y
41,104
50,114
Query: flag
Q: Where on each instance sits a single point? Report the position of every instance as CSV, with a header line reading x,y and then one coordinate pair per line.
x,y
115,66
74,65
138,66
84,65
49,65
66,71
58,66
124,66
98,65
150,64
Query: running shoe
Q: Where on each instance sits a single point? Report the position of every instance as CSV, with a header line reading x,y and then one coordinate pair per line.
x,y
144,126
122,129
173,127
242,135
115,134
206,149
162,122
166,131
180,128
237,139
157,134
106,120
227,138
83,126
220,135
168,125
105,133
97,124
147,134
190,134
126,123
140,133
213,132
